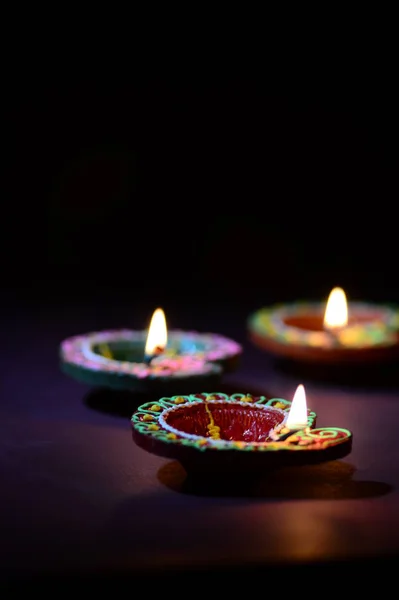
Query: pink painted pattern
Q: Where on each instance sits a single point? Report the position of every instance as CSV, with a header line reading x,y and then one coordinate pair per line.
x,y
78,350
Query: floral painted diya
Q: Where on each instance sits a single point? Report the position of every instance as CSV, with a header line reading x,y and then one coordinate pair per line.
x,y
333,333
237,433
153,361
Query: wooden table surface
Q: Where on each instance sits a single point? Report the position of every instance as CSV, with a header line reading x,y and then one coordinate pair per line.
x,y
80,499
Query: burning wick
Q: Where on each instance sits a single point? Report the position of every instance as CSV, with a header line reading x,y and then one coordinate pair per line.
x,y
297,419
284,436
157,337
150,357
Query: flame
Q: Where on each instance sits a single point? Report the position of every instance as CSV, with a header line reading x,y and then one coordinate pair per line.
x,y
157,337
336,314
298,415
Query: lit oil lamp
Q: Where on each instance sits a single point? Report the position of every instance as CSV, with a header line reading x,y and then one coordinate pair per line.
x,y
153,360
237,433
335,332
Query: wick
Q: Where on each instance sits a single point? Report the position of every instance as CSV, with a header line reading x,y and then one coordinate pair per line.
x,y
148,358
284,436
333,332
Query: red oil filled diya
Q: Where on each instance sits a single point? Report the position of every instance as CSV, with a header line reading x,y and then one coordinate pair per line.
x,y
237,433
336,332
150,361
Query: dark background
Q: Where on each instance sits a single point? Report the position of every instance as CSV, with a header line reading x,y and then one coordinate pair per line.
x,y
223,192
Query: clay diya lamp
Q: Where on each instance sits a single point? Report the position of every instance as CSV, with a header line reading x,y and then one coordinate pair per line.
x,y
334,333
236,434
150,361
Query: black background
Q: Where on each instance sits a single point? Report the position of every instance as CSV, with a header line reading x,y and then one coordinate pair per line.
x,y
231,192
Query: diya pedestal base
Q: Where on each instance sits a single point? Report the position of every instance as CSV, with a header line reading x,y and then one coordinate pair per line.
x,y
152,384
115,359
296,332
217,434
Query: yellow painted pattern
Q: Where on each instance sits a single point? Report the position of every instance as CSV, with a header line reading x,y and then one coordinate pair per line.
x,y
214,430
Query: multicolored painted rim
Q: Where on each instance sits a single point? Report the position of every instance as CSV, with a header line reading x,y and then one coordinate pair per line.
x,y
270,323
215,349
151,430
